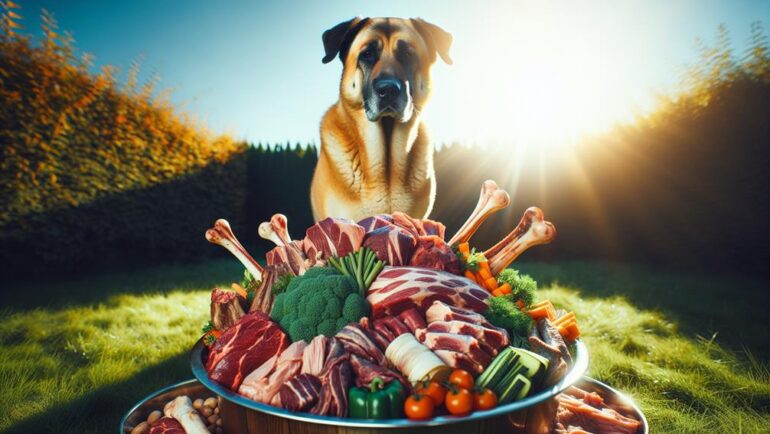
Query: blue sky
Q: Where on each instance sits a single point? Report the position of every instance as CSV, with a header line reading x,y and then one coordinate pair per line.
x,y
523,70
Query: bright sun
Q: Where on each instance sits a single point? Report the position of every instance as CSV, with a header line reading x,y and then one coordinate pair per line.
x,y
531,85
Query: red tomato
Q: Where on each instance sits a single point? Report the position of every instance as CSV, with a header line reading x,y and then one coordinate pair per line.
x,y
434,389
484,399
419,407
459,401
461,378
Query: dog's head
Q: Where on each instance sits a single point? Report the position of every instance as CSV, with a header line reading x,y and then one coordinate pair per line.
x,y
386,62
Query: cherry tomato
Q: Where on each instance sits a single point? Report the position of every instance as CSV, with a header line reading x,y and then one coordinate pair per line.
x,y
461,378
484,399
459,401
419,407
434,389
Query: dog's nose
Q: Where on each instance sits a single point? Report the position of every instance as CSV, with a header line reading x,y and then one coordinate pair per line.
x,y
388,88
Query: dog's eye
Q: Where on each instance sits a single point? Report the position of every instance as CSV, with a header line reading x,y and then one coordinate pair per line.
x,y
367,54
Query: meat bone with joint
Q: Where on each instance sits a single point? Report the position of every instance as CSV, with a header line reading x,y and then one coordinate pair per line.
x,y
285,251
491,199
223,235
532,230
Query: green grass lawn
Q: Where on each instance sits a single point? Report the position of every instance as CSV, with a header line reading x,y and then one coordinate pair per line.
x,y
691,350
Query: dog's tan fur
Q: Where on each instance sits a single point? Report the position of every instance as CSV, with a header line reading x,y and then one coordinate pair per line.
x,y
362,170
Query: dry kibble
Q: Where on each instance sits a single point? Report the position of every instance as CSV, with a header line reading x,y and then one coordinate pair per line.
x,y
213,419
142,428
219,422
206,411
216,410
210,402
155,415
197,404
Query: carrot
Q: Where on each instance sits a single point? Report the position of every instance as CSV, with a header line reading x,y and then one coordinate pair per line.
x,y
485,266
542,312
491,284
521,304
564,319
484,272
497,293
570,332
505,288
240,290
464,248
470,275
543,303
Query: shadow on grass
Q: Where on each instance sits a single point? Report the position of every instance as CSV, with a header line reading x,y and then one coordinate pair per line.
x,y
100,410
99,288
734,308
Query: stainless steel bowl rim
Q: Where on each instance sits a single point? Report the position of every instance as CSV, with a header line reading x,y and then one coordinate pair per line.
x,y
576,373
158,392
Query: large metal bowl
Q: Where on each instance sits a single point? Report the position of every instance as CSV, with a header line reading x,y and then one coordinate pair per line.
x,y
194,389
247,406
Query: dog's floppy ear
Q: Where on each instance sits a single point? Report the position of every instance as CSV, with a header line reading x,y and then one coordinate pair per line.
x,y
338,38
438,39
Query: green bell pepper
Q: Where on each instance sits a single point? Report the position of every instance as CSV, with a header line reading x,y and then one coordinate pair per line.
x,y
377,402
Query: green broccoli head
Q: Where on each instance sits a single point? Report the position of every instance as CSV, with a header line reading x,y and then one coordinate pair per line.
x,y
355,307
302,329
523,287
504,313
327,327
321,301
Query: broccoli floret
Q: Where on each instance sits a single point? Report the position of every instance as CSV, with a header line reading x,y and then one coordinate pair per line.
x,y
504,313
317,303
302,330
523,287
355,307
333,308
327,327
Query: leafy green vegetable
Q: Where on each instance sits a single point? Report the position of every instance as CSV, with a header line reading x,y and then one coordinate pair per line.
x,y
523,287
363,266
250,285
209,339
207,327
320,302
282,282
504,313
474,259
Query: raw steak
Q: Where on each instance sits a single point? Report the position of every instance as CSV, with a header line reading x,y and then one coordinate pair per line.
x,y
378,221
336,379
440,311
332,237
433,252
459,343
300,393
495,338
167,425
391,244
262,387
356,341
244,347
397,289
291,255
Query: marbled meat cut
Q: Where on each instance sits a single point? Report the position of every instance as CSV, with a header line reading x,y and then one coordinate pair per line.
x,y
397,289
356,340
458,343
291,255
453,359
263,384
244,347
392,244
336,379
418,227
495,338
332,237
300,393
433,252
440,311
377,221
413,319
367,371
167,425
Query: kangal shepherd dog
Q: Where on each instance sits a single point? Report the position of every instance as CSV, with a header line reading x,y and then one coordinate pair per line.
x,y
375,153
